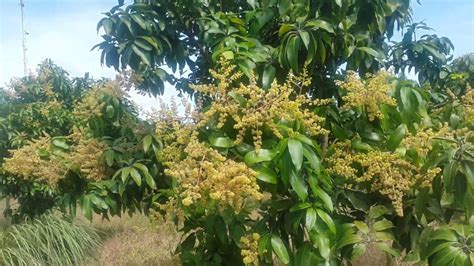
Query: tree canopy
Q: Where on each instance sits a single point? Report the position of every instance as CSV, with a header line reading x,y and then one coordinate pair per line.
x,y
268,37
302,145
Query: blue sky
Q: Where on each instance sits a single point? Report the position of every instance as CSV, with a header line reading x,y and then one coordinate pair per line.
x,y
65,31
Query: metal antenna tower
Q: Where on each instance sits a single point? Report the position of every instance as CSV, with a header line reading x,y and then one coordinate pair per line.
x,y
23,34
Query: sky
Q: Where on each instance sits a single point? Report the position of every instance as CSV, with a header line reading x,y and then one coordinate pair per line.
x,y
65,31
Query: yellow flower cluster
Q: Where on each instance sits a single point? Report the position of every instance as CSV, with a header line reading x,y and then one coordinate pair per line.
x,y
48,90
386,172
86,157
204,175
249,249
173,130
28,162
50,108
422,141
91,104
468,105
368,94
252,108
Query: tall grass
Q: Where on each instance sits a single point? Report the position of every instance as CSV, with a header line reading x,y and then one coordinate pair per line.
x,y
49,240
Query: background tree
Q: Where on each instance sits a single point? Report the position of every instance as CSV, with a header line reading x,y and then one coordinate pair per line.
x,y
66,141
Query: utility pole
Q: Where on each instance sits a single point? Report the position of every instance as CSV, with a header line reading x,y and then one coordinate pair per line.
x,y
23,34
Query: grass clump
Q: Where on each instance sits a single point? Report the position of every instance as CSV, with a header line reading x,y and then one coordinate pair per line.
x,y
48,240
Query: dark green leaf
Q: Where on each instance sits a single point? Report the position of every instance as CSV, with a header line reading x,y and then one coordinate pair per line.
x,y
311,218
268,76
298,185
280,249
266,174
147,140
221,142
396,138
263,155
136,176
295,147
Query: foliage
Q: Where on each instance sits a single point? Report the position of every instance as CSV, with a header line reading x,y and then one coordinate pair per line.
x,y
67,142
383,173
284,156
48,240
216,197
268,38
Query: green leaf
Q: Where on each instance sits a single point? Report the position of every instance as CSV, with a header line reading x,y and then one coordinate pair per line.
x,y
109,157
313,159
263,155
348,237
150,41
139,20
449,172
320,24
361,226
420,202
136,176
447,256
292,52
383,236
444,234
396,138
385,247
60,144
263,244
304,35
268,76
266,174
109,110
150,181
284,6
311,217
377,211
324,246
327,220
371,52
304,139
144,55
125,173
147,140
246,66
228,55
148,178
300,206
236,232
221,142
382,225
305,256
320,193
468,168
284,29
221,230
295,147
298,185
86,207
358,250
280,249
